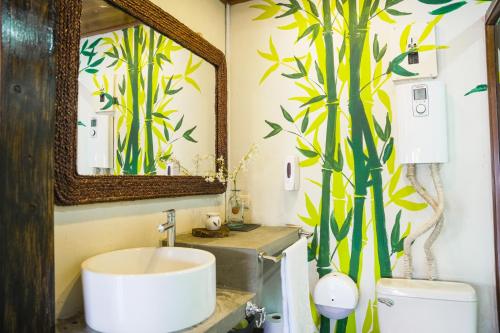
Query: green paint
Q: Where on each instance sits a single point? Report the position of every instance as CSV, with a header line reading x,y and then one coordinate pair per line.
x,y
149,161
478,88
132,148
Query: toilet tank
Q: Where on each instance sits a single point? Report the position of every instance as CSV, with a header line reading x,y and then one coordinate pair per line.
x,y
416,306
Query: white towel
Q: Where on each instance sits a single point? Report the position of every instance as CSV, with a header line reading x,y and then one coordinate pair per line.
x,y
297,316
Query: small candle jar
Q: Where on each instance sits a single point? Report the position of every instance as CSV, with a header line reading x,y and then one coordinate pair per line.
x,y
213,221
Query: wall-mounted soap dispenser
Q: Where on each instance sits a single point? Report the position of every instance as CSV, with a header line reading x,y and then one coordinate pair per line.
x,y
291,173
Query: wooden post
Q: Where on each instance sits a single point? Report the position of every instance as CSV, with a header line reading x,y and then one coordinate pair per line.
x,y
27,94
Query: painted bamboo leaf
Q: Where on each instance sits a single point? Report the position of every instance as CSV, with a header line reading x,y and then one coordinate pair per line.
x,y
319,73
288,117
187,135
478,88
395,66
395,233
314,218
313,100
374,7
434,2
395,12
293,7
448,8
307,153
166,133
338,164
313,247
275,129
179,124
341,234
305,122
388,150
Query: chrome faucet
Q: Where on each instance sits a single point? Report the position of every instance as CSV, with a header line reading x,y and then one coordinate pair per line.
x,y
168,228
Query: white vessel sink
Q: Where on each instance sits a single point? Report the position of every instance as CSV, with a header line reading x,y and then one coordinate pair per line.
x,y
148,290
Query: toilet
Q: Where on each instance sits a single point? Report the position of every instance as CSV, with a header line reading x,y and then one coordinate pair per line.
x,y
416,306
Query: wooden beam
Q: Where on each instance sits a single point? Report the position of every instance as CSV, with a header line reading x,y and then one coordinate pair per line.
x,y
27,88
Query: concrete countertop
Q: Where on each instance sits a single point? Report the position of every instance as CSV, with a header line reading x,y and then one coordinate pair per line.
x,y
229,311
263,239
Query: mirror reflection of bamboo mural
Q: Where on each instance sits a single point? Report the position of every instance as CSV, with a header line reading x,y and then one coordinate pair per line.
x,y
337,128
146,130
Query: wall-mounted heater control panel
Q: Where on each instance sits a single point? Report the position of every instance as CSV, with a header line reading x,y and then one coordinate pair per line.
x,y
101,141
421,122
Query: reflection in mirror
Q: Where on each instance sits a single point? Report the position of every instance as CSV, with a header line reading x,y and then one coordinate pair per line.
x,y
146,105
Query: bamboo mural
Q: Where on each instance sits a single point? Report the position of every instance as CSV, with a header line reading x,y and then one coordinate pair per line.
x,y
148,83
341,74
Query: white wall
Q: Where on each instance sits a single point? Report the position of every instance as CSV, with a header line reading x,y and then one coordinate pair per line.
x,y
84,231
465,249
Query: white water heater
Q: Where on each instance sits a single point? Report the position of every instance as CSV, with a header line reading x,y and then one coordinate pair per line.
x,y
101,141
421,122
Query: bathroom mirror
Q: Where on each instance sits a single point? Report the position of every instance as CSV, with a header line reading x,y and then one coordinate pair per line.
x,y
141,104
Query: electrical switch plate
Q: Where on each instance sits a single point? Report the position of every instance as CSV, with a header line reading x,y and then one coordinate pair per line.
x,y
423,62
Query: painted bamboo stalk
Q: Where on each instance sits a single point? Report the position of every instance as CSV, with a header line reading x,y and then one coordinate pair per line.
x,y
375,167
132,149
149,160
323,265
357,35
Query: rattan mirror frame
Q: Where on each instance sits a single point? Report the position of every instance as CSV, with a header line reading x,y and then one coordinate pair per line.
x,y
74,189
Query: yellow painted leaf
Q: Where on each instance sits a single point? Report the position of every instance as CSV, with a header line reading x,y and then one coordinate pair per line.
x,y
269,71
314,182
190,69
413,206
314,312
266,56
269,11
423,48
309,90
309,162
429,28
377,75
274,52
407,231
385,100
386,18
311,209
367,323
290,26
317,122
301,144
403,40
120,122
193,83
106,83
403,192
96,82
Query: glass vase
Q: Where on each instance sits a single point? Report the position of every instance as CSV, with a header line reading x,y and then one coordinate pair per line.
x,y
235,208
